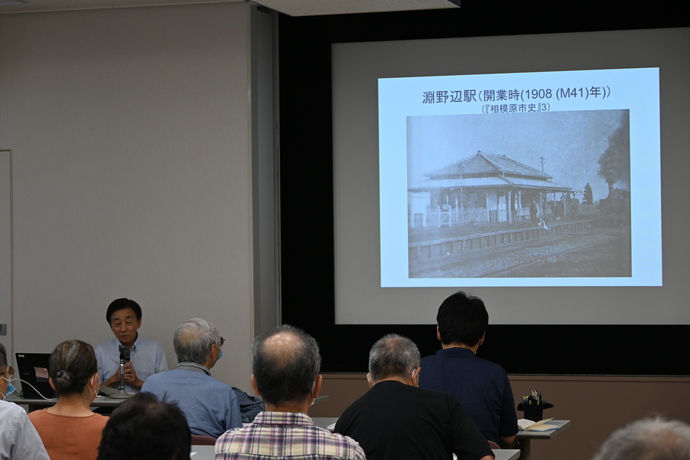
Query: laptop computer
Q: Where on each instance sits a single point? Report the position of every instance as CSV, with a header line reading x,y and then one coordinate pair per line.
x,y
33,372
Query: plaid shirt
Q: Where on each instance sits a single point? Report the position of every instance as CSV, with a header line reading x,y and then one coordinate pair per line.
x,y
285,435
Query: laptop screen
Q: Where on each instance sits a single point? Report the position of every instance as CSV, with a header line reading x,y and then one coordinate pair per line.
x,y
33,372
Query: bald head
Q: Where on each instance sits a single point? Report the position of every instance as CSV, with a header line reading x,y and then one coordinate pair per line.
x,y
285,363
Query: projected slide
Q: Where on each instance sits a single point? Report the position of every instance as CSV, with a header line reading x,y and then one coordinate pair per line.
x,y
530,179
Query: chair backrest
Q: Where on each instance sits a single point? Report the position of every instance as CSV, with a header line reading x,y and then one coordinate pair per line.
x,y
202,440
492,444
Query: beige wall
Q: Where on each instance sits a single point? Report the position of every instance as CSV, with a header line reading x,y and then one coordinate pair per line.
x,y
131,150
596,405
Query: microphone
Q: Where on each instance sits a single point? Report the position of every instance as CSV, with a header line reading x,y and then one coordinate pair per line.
x,y
124,358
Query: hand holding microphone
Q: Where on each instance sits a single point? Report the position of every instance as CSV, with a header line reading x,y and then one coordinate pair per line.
x,y
124,361
127,372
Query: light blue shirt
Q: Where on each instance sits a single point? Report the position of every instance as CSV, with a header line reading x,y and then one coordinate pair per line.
x,y
18,437
147,357
209,405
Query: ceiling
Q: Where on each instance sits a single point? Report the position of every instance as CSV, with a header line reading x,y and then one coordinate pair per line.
x,y
289,7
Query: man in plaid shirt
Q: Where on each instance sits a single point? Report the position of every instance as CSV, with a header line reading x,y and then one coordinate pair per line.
x,y
285,366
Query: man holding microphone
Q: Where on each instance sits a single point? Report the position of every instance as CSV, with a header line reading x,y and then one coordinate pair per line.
x,y
146,357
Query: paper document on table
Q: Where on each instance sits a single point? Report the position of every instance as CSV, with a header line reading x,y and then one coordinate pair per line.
x,y
541,425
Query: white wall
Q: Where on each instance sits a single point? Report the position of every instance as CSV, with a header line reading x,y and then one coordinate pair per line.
x,y
130,138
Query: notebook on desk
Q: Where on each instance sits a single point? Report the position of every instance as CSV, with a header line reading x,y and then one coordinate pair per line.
x,y
33,372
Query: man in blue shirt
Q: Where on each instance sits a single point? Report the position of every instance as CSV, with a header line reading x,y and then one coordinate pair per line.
x,y
482,387
146,357
210,406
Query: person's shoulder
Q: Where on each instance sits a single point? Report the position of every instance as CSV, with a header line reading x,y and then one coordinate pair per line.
x,y
445,406
37,415
97,422
221,386
209,384
230,434
110,344
336,446
99,419
429,393
489,366
431,366
348,447
466,360
214,381
361,406
154,379
431,359
14,418
7,406
233,440
14,415
341,438
10,409
392,391
437,398
94,422
145,342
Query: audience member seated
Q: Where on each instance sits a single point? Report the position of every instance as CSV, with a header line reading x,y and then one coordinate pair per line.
x,y
648,439
18,437
69,429
146,357
210,405
482,387
285,366
142,428
250,406
396,420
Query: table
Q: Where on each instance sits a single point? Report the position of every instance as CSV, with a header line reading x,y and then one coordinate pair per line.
x,y
506,454
203,453
325,422
525,437
38,403
208,453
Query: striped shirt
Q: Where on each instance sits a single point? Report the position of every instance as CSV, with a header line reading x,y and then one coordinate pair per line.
x,y
285,435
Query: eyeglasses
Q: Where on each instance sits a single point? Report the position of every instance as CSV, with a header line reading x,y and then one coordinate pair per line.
x,y
9,370
221,342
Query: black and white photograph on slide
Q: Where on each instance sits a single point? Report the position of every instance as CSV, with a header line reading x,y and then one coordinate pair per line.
x,y
535,194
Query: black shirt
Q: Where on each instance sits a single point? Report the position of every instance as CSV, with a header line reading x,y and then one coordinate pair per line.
x,y
397,421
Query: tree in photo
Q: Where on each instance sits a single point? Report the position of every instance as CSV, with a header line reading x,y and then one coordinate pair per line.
x,y
587,195
614,163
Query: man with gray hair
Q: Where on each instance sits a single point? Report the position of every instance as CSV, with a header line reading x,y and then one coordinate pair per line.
x,y
18,437
285,366
209,405
648,439
395,419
